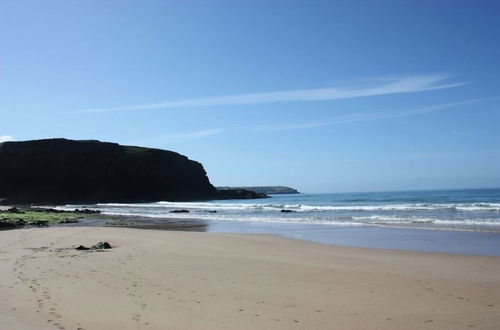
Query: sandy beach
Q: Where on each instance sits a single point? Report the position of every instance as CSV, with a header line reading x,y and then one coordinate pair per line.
x,y
187,280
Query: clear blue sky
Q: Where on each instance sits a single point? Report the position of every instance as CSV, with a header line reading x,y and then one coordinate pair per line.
x,y
324,96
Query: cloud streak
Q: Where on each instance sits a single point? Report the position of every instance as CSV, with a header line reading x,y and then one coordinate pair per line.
x,y
410,84
358,117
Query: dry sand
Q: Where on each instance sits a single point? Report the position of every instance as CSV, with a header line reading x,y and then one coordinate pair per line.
x,y
184,280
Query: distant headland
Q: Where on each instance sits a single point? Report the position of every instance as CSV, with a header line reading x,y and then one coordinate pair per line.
x,y
265,189
62,171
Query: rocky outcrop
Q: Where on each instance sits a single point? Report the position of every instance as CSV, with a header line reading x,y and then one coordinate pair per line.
x,y
98,246
238,193
61,171
264,189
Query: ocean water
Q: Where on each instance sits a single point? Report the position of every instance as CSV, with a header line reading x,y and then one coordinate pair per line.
x,y
461,221
474,210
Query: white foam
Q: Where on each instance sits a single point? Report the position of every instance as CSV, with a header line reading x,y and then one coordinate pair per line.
x,y
210,217
309,208
449,215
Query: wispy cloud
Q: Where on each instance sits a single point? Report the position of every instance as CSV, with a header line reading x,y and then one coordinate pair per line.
x,y
410,84
182,137
357,117
5,138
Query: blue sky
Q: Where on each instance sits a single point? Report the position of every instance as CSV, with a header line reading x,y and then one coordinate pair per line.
x,y
324,96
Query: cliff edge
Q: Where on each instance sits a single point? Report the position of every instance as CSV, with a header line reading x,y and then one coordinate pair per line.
x,y
61,171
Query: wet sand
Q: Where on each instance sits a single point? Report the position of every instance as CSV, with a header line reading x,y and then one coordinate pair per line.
x,y
155,279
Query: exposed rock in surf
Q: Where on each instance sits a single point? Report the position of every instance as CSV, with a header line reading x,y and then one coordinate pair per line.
x,y
179,211
87,211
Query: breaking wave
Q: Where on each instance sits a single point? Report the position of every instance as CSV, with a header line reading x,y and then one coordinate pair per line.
x,y
474,210
310,208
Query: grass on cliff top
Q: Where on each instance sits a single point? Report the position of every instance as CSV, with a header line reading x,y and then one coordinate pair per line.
x,y
38,216
136,150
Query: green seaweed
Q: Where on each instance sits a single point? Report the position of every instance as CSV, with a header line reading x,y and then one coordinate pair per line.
x,y
33,217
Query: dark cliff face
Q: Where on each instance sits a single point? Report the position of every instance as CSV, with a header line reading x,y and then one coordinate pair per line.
x,y
65,171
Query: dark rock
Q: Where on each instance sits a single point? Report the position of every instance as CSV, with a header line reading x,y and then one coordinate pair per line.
x,y
238,194
101,246
39,223
87,211
81,247
47,210
265,189
52,210
15,210
4,224
20,223
61,171
287,211
211,211
179,211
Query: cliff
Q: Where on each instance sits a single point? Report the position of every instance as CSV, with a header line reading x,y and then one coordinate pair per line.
x,y
60,171
264,189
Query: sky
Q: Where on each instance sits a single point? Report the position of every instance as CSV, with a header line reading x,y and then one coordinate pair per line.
x,y
322,96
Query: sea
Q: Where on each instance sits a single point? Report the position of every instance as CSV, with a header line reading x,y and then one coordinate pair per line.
x,y
449,221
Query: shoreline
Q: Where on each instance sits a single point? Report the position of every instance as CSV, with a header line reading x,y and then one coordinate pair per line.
x,y
156,279
466,242
403,239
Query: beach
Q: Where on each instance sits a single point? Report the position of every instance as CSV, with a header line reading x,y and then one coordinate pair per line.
x,y
249,165
154,279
